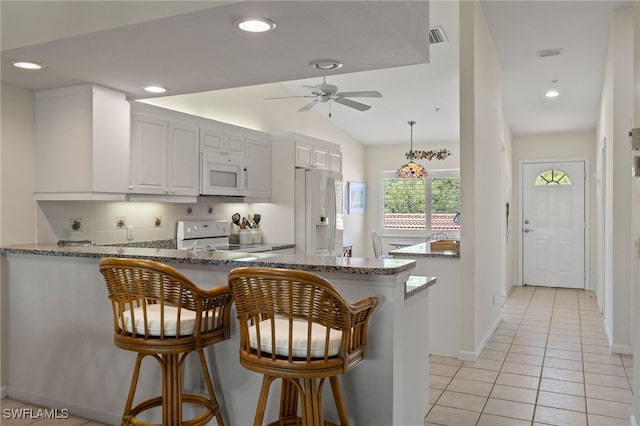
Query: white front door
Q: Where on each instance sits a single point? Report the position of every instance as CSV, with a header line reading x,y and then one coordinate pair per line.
x,y
553,223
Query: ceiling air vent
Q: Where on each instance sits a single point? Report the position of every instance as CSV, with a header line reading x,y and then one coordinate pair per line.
x,y
437,36
548,52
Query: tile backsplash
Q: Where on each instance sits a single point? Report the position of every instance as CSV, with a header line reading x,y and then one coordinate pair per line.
x,y
107,222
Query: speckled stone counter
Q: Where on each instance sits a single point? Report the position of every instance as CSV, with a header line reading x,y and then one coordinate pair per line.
x,y
235,258
58,309
422,250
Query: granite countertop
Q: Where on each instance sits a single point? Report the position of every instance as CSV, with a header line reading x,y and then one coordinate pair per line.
x,y
423,250
351,265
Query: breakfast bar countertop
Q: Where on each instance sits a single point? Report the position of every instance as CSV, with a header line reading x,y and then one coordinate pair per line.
x,y
423,250
235,258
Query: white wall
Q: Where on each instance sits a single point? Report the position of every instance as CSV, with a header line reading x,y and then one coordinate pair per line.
x,y
17,224
245,107
614,123
635,384
556,146
482,143
18,212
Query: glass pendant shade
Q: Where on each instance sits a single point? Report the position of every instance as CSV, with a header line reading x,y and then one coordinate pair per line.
x,y
411,170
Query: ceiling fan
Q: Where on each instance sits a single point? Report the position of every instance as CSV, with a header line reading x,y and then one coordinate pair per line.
x,y
329,92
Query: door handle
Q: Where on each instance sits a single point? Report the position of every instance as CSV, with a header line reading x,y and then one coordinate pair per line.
x,y
527,230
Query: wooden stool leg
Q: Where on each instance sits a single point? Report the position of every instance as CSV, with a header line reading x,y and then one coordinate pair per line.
x,y
172,390
212,395
262,400
312,406
288,400
126,416
337,396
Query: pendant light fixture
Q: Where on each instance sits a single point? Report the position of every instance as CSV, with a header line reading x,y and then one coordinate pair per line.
x,y
411,169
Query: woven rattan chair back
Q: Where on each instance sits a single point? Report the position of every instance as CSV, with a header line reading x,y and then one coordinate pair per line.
x,y
295,325
159,312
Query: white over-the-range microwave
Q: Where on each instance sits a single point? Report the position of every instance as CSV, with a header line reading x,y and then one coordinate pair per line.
x,y
223,175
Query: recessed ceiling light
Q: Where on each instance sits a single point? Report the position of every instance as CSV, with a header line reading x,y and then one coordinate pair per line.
x,y
551,94
255,25
155,89
326,64
27,65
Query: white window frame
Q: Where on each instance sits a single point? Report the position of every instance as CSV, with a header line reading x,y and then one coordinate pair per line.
x,y
385,174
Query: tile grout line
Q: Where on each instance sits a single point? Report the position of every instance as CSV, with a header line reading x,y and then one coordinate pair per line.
x,y
544,356
505,357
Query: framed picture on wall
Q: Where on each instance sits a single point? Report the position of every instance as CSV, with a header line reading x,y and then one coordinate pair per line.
x,y
356,191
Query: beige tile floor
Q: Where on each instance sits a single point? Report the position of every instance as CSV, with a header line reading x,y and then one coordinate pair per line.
x,y
547,363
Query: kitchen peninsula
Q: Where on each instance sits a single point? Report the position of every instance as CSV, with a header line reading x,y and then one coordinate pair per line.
x,y
61,351
444,299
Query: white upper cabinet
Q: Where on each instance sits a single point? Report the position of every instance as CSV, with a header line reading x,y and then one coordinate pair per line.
x,y
259,168
164,152
183,158
335,161
312,153
81,144
224,143
320,157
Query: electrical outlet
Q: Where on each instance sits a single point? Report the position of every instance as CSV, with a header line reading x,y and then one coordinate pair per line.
x,y
129,232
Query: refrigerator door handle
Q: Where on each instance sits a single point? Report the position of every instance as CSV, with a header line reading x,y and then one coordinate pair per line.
x,y
332,200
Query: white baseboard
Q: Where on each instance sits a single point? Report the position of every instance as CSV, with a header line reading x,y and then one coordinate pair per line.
x,y
473,356
621,349
468,356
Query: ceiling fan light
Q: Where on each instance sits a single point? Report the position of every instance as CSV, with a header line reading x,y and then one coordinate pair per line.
x,y
326,64
25,65
255,25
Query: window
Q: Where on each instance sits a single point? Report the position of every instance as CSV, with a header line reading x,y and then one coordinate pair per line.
x,y
553,177
410,205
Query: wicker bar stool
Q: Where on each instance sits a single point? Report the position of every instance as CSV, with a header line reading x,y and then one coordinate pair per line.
x,y
295,326
158,312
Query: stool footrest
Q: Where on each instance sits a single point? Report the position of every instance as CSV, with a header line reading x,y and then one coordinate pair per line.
x,y
210,412
296,421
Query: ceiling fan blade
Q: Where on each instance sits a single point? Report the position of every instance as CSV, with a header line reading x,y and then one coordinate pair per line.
x,y
308,106
289,97
352,104
362,94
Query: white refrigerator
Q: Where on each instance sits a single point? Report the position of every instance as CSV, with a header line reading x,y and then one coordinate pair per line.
x,y
318,212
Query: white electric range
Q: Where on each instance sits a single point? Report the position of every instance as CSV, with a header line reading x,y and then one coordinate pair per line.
x,y
211,235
